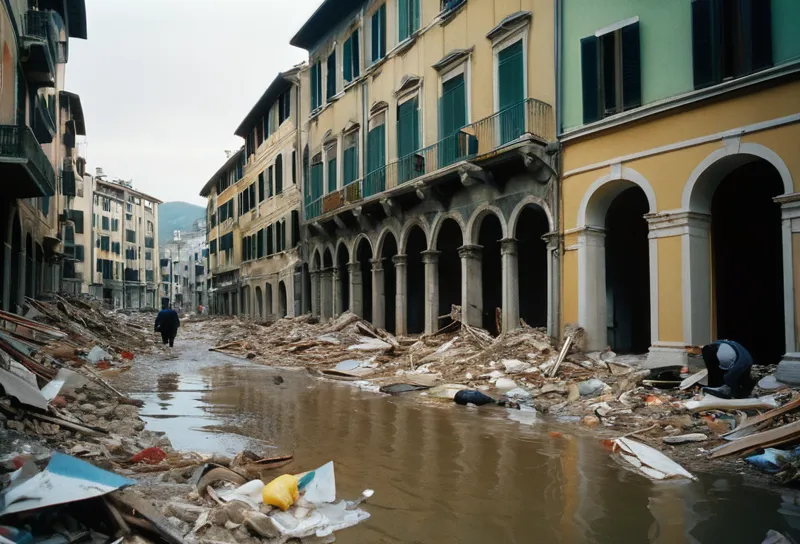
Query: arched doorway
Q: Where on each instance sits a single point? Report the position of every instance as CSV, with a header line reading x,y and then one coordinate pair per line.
x,y
343,285
489,236
532,225
415,280
16,263
389,282
448,241
30,288
363,254
259,302
628,272
282,299
268,299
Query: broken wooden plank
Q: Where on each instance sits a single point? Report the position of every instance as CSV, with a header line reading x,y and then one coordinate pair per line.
x,y
132,506
710,402
561,355
754,422
773,437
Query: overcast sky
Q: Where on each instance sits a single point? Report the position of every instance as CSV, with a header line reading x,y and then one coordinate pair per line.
x,y
164,83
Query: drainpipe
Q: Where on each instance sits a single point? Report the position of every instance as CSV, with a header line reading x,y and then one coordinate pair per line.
x,y
558,261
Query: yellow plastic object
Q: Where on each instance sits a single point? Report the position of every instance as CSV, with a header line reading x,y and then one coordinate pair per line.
x,y
281,492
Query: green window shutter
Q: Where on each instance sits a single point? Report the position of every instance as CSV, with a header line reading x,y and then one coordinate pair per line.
x,y
347,59
316,181
510,74
631,67
354,52
331,82
350,165
757,23
415,16
375,35
705,42
382,26
332,184
261,187
407,127
313,89
403,19
452,106
279,174
590,79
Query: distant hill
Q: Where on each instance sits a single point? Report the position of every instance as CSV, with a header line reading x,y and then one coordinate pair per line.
x,y
174,216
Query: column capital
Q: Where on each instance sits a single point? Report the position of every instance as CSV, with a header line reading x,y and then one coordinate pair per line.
x,y
400,260
508,246
377,265
677,223
472,252
354,267
553,240
315,273
430,256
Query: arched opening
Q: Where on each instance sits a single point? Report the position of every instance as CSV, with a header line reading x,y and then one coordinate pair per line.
x,y
448,241
389,282
282,299
489,236
746,260
628,272
259,302
342,258
415,280
16,263
364,258
532,225
268,300
30,289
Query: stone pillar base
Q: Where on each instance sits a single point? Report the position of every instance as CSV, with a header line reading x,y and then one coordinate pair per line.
x,y
789,369
658,356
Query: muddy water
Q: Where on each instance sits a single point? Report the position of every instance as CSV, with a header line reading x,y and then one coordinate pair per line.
x,y
444,473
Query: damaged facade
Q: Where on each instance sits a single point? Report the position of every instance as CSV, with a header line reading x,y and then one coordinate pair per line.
x,y
429,163
680,172
38,157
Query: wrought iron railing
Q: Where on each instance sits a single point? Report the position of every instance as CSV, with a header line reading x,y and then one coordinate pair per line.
x,y
529,117
20,143
41,25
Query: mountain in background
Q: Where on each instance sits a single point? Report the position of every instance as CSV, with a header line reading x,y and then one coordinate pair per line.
x,y
174,216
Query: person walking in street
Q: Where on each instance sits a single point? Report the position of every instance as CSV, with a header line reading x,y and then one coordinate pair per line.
x,y
167,323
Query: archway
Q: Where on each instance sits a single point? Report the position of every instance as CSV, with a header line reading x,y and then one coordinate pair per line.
x,y
259,302
448,241
363,254
282,299
415,280
16,263
30,289
268,299
389,282
628,272
531,226
489,236
343,285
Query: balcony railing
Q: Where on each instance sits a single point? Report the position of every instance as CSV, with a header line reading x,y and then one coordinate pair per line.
x,y
529,117
41,26
20,145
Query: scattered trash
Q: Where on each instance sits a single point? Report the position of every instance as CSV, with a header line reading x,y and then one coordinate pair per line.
x,y
591,388
700,377
770,383
710,402
505,384
281,492
525,415
648,461
685,438
397,388
773,460
467,396
150,456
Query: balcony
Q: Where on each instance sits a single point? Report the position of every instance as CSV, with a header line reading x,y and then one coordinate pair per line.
x,y
40,37
44,119
68,185
26,170
530,120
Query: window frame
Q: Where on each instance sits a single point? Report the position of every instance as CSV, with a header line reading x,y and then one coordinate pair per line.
x,y
507,39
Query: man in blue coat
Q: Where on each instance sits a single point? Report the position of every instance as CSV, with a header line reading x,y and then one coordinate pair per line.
x,y
728,365
167,323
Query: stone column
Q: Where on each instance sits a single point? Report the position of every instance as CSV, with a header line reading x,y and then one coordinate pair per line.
x,y
790,235
553,240
326,297
356,289
378,302
315,277
430,259
471,284
337,292
22,270
401,297
592,286
510,300
6,279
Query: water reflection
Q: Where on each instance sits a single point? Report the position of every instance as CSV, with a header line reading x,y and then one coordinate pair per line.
x,y
444,473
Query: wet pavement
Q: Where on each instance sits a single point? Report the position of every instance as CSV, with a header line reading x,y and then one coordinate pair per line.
x,y
443,473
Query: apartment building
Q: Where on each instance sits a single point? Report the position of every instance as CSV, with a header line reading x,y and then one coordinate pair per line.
x,y
681,210
430,163
183,268
125,228
39,123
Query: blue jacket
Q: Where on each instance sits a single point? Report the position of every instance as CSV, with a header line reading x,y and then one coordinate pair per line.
x,y
167,321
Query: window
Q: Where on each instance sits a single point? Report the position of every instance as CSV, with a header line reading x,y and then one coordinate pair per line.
x,y
261,187
376,156
128,208
76,216
378,34
611,73
284,107
116,248
452,117
316,181
150,227
148,255
249,143
350,58
294,167
730,39
252,191
279,237
79,253
332,184
107,204
105,224
279,174
316,86
350,158
259,243
115,225
330,88
130,235
212,246
295,228
259,134
408,18
105,243
408,140
269,181
270,245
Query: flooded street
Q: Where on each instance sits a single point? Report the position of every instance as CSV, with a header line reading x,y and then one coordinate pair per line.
x,y
442,473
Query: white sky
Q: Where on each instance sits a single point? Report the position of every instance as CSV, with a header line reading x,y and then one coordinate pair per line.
x,y
164,83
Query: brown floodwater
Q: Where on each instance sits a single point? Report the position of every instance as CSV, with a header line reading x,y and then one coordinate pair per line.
x,y
444,473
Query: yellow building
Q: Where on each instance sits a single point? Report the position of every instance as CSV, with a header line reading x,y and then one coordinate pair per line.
x,y
680,209
429,162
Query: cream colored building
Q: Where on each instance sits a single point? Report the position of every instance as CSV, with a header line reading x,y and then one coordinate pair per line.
x,y
429,162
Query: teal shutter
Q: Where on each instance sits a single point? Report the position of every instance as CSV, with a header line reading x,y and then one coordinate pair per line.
x,y
382,27
415,16
631,67
350,165
376,160
757,30
511,89
332,175
403,9
407,139
354,52
705,43
331,83
347,62
452,117
590,80
375,27
316,181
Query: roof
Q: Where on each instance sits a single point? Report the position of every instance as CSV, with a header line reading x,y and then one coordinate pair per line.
x,y
230,162
129,190
275,89
329,14
74,14
76,109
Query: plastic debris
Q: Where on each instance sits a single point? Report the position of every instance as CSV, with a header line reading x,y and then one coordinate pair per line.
x,y
648,461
